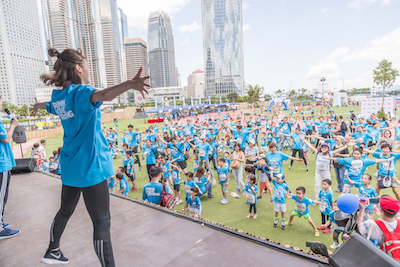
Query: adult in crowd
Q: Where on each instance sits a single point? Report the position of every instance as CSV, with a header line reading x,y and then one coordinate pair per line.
x,y
339,168
6,163
150,152
177,149
275,159
85,159
238,155
251,153
286,129
387,136
386,224
152,191
205,150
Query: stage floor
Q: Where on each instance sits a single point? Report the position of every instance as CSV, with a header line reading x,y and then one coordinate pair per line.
x,y
141,235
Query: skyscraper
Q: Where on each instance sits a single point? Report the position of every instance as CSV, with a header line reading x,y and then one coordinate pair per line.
x,y
223,46
22,60
161,50
135,57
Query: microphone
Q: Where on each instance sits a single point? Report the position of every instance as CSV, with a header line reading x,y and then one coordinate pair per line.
x,y
10,115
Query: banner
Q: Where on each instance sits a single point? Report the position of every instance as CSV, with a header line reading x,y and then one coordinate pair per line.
x,y
374,105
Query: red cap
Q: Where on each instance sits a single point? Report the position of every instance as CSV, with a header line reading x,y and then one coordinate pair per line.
x,y
389,204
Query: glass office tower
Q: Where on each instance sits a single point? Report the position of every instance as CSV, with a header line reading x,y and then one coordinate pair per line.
x,y
223,46
161,50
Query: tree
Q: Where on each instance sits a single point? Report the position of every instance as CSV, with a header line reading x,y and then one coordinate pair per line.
x,y
278,92
303,91
232,97
254,93
292,94
385,75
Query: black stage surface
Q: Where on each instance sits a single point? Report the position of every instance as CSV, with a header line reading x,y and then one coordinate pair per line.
x,y
141,234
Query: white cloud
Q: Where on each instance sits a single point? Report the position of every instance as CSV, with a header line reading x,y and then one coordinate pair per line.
x,y
138,11
186,41
190,28
358,3
385,47
246,5
246,27
324,10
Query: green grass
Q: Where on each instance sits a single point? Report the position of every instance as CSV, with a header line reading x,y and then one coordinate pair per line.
x,y
233,214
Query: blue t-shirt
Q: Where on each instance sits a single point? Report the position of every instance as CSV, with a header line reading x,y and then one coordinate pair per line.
x,y
302,206
85,158
356,168
321,126
6,155
308,124
195,165
194,203
327,198
275,160
201,183
175,176
124,158
189,185
361,138
387,167
242,137
263,141
188,130
250,192
124,139
176,151
204,149
133,138
149,152
124,183
285,127
297,142
130,167
222,174
152,192
166,169
366,193
279,192
374,133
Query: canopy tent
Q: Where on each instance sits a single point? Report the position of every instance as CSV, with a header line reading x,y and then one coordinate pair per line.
x,y
154,110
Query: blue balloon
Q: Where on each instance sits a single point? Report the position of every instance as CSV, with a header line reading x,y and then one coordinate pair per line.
x,y
304,129
330,111
348,203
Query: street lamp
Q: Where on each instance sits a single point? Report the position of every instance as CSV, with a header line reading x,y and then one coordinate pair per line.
x,y
323,80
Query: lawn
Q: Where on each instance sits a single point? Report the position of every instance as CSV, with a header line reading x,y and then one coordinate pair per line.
x,y
234,213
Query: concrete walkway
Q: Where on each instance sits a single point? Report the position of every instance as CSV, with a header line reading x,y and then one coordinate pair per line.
x,y
25,147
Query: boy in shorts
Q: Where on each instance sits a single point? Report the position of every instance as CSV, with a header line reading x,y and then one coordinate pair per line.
x,y
264,146
279,198
123,184
223,179
130,170
302,203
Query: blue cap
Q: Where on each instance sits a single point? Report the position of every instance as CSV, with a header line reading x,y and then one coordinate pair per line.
x,y
280,175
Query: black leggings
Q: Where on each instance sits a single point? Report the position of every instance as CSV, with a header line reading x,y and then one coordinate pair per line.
x,y
324,218
324,135
336,236
148,166
134,151
301,155
251,207
97,203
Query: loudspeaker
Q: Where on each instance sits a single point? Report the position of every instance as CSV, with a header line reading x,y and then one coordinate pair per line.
x,y
358,251
19,135
24,165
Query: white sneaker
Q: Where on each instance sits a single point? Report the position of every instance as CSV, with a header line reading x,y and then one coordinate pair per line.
x,y
214,181
335,245
179,202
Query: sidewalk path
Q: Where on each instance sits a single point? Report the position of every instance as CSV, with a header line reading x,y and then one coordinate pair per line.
x,y
25,147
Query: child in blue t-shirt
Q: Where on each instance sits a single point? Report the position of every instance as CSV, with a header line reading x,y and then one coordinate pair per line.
x,y
365,190
302,203
194,202
281,189
189,184
251,195
263,140
176,182
130,169
325,196
123,184
195,162
227,158
223,179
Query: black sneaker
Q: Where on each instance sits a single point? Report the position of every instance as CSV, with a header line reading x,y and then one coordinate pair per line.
x,y
54,257
307,168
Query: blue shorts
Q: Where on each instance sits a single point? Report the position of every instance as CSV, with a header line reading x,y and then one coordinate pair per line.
x,y
132,177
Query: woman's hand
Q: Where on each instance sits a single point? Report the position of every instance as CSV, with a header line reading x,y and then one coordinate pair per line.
x,y
138,83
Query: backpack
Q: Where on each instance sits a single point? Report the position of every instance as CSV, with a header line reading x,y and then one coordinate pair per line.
x,y
343,127
391,245
54,168
167,200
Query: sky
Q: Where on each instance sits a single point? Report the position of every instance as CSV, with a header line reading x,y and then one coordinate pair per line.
x,y
289,44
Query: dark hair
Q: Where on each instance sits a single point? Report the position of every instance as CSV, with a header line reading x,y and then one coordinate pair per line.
x,y
35,145
42,141
272,145
386,145
128,152
389,132
327,181
302,189
125,144
65,72
51,158
369,176
319,248
248,169
190,174
195,189
389,215
155,171
222,160
119,175
59,150
236,145
359,149
265,160
130,126
252,178
200,171
122,169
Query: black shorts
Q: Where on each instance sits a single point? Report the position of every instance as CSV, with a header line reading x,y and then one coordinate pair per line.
x,y
132,177
182,164
177,187
134,150
309,132
370,144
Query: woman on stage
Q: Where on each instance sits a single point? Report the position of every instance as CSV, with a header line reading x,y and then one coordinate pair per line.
x,y
85,159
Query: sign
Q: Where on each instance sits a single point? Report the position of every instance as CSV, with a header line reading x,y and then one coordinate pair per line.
x,y
139,98
374,105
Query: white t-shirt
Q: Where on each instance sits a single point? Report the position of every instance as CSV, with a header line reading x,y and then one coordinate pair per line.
x,y
323,164
42,150
376,232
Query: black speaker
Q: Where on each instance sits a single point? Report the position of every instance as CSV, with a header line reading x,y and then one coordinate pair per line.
x,y
24,165
358,251
19,135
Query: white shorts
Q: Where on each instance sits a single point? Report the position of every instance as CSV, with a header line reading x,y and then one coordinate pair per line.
x,y
264,149
279,207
